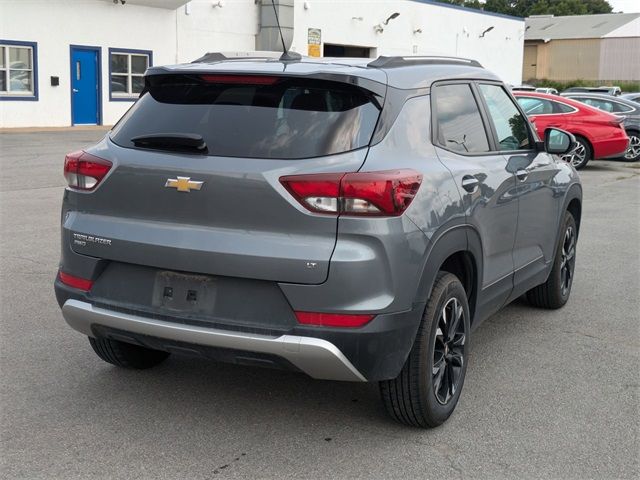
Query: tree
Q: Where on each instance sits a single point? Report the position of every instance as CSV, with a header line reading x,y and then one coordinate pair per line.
x,y
525,8
559,8
464,3
598,6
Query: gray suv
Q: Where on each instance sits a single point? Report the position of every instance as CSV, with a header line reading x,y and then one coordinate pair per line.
x,y
346,218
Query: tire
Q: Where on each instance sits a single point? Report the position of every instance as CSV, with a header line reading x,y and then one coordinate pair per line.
x,y
555,292
412,398
633,152
581,155
126,355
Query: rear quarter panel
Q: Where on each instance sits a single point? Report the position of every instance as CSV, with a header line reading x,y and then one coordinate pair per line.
x,y
382,260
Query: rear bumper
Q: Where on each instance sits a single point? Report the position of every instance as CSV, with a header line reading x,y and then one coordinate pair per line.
x,y
612,147
317,357
259,331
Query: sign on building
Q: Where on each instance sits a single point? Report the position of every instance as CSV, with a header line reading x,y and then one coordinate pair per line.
x,y
314,40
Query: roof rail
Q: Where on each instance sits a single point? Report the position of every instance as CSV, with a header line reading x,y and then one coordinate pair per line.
x,y
390,62
212,57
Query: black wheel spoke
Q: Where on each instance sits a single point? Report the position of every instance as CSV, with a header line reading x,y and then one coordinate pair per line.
x,y
438,364
456,315
451,384
456,359
437,379
458,340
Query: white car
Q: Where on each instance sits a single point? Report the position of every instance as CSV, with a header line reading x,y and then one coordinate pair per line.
x,y
551,91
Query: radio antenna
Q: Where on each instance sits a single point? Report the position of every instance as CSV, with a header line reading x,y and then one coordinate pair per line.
x,y
286,55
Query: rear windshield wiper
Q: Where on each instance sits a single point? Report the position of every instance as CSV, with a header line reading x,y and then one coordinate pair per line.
x,y
174,142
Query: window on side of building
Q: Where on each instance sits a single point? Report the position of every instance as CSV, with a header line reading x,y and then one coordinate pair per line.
x,y
18,70
126,73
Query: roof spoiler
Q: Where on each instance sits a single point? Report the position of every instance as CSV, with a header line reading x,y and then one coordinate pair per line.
x,y
390,62
213,57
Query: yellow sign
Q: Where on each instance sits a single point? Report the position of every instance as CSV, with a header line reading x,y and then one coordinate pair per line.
x,y
314,40
314,50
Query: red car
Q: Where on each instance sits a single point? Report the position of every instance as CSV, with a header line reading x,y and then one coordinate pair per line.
x,y
599,134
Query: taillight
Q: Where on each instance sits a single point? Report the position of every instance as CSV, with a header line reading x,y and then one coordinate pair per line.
x,y
333,319
84,171
382,194
75,282
617,122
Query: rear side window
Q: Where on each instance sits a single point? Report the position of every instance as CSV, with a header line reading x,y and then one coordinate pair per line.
x,y
599,104
563,108
542,106
606,105
535,106
459,124
510,124
253,116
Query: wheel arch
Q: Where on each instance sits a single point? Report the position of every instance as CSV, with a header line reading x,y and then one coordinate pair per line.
x,y
573,204
458,251
584,137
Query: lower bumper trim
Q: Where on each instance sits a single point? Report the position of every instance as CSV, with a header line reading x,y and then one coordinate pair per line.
x,y
316,357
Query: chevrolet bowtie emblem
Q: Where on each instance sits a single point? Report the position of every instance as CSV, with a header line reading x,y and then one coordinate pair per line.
x,y
183,184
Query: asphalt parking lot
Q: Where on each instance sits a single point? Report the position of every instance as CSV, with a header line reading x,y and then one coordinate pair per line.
x,y
547,394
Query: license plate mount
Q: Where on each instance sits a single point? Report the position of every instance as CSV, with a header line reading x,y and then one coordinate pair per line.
x,y
184,293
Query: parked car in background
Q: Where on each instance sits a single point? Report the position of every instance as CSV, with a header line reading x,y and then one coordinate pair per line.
x,y
633,96
615,91
598,134
628,110
551,91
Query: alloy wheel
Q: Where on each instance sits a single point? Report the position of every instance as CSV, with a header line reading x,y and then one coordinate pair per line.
x,y
568,260
634,148
576,156
448,352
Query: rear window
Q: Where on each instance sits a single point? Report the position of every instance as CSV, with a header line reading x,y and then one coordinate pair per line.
x,y
253,116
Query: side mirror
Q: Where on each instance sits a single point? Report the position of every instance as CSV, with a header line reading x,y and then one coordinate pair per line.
x,y
558,141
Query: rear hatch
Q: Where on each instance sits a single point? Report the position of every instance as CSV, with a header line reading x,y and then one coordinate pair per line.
x,y
195,185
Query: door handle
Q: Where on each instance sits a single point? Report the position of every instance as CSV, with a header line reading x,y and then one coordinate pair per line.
x,y
522,175
470,183
75,90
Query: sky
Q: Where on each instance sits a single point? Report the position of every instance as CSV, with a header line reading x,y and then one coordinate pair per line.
x,y
626,6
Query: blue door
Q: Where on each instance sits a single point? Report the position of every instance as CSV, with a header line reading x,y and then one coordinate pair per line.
x,y
84,87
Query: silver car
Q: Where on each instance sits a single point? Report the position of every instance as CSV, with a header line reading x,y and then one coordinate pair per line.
x,y
350,219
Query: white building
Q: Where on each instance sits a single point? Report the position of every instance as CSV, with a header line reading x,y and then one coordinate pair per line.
x,y
72,62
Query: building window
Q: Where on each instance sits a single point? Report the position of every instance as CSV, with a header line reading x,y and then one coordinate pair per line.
x,y
126,72
18,70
